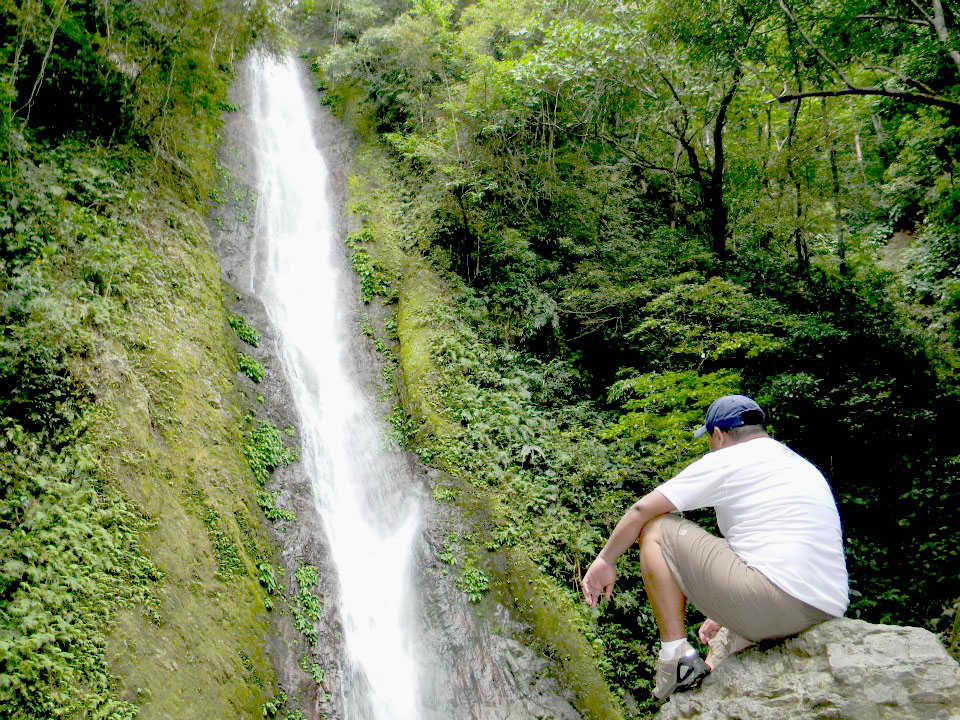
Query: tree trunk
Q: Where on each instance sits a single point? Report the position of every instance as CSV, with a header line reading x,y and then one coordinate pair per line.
x,y
717,210
835,177
799,239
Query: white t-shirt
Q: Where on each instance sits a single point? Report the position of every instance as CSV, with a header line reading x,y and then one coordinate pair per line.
x,y
778,514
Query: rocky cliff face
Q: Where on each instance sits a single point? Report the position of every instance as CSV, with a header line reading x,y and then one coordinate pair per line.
x,y
841,669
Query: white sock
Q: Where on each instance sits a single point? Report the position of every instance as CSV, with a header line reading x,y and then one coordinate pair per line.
x,y
672,649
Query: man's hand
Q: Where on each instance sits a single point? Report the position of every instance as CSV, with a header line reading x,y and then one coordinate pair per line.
x,y
708,630
598,581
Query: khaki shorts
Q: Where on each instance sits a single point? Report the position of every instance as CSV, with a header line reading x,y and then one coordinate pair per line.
x,y
725,589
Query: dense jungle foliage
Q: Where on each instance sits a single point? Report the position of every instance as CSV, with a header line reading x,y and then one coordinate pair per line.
x,y
129,528
626,209
593,218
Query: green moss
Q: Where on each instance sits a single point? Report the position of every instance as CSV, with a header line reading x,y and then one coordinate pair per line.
x,y
346,102
557,629
420,295
168,429
128,501
561,632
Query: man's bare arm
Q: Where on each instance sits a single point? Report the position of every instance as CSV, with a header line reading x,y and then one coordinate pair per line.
x,y
628,529
602,573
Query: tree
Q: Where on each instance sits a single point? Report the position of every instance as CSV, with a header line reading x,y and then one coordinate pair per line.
x,y
885,48
660,85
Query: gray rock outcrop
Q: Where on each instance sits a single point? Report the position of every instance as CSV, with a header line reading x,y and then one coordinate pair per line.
x,y
844,668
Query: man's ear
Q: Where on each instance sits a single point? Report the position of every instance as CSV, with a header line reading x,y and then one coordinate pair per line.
x,y
720,438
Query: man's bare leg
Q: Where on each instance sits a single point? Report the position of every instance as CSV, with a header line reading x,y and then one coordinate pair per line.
x,y
679,667
665,597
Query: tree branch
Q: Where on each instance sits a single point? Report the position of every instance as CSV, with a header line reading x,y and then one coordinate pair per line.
x,y
692,158
23,27
892,18
903,78
717,171
640,161
928,20
879,91
55,25
939,26
836,68
927,96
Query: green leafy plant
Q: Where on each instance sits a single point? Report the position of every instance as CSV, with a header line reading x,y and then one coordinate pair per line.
x,y
567,315
108,290
391,328
267,501
307,578
306,607
373,281
473,581
228,557
443,494
274,705
403,426
265,451
304,625
267,577
359,237
250,367
448,554
73,560
244,330
314,670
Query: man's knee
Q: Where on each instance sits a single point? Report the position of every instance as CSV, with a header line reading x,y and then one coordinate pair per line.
x,y
650,541
651,531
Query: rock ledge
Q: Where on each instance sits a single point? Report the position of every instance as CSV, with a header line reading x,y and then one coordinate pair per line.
x,y
844,668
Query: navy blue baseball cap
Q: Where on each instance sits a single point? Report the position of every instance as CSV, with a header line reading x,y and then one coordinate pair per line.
x,y
727,412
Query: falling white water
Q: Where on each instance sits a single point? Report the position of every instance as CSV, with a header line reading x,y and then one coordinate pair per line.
x,y
370,525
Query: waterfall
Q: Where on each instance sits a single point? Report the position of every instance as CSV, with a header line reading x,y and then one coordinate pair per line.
x,y
370,517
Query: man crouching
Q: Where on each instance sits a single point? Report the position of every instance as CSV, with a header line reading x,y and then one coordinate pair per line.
x,y
778,569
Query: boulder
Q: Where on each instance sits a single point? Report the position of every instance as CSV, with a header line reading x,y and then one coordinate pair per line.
x,y
843,668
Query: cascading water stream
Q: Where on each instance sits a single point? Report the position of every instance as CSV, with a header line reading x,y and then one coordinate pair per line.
x,y
369,517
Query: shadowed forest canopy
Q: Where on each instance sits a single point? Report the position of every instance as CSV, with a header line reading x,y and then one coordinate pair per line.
x,y
626,209
643,205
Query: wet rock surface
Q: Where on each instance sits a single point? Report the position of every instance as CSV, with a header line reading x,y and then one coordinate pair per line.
x,y
474,665
480,669
840,669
